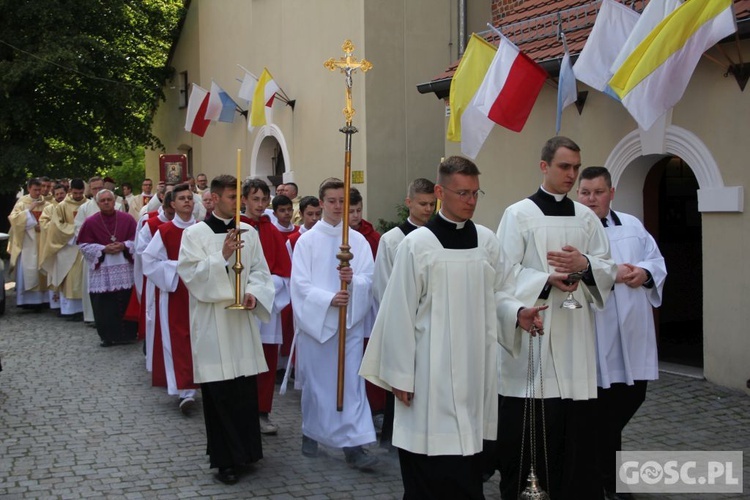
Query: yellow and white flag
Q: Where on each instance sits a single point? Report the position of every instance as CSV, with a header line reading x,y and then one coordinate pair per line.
x,y
466,81
655,75
261,110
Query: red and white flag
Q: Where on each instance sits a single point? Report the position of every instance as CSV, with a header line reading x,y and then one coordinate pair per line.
x,y
506,97
196,121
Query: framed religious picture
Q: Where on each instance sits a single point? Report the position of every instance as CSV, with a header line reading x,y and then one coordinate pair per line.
x,y
173,168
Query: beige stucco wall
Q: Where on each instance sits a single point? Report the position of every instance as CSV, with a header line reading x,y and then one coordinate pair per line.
x,y
400,131
716,111
292,39
405,41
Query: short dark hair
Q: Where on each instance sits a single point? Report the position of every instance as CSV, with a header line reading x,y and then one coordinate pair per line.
x,y
181,187
222,182
44,178
456,165
204,175
557,142
280,200
420,186
308,201
251,185
147,179
34,181
168,199
355,196
127,185
77,184
296,188
330,183
59,186
590,173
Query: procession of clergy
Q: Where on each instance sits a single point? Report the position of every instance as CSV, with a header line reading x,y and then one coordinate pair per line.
x,y
465,325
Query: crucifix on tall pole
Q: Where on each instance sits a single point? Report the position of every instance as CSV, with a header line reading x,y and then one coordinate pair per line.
x,y
347,65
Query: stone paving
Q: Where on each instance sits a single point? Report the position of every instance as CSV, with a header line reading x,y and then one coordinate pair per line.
x,y
80,421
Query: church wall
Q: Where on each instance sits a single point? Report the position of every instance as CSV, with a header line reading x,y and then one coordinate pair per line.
x,y
219,56
292,39
715,110
404,129
304,35
169,120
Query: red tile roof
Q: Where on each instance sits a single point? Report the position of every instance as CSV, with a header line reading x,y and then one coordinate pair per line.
x,y
533,27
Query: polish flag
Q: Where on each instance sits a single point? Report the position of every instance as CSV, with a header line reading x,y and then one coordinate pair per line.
x,y
506,96
196,121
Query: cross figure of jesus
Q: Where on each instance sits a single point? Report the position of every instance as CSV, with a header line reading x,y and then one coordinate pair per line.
x,y
348,65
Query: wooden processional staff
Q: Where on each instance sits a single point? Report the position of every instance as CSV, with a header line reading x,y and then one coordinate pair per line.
x,y
347,65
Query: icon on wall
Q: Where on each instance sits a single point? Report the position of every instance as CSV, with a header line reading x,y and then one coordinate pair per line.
x,y
173,168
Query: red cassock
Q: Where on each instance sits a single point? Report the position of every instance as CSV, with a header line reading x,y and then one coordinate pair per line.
x,y
367,230
279,263
179,317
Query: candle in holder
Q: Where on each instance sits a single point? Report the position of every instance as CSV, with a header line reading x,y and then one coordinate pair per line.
x,y
239,189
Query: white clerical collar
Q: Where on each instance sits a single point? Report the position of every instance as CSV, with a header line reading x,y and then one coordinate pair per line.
x,y
408,219
328,228
459,225
303,229
225,221
329,224
557,197
181,223
161,215
284,229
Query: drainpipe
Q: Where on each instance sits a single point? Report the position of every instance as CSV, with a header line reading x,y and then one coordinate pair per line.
x,y
461,27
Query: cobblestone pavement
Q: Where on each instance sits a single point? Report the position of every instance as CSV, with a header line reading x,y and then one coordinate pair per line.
x,y
79,421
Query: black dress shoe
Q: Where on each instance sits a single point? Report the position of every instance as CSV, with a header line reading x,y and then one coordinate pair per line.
x,y
106,343
227,475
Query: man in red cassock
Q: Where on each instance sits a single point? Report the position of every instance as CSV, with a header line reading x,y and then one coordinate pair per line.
x,y
160,265
255,196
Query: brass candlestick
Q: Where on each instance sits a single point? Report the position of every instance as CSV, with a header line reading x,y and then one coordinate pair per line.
x,y
238,267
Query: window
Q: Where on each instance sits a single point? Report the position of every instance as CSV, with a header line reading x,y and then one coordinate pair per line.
x,y
183,86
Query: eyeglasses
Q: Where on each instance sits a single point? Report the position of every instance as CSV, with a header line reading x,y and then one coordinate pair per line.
x,y
465,196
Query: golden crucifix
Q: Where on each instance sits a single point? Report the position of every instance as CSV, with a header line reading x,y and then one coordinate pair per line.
x,y
347,65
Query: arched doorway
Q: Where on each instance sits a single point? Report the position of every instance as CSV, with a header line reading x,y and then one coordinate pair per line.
x,y
631,161
270,158
670,208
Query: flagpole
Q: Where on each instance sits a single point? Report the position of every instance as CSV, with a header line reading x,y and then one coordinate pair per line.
x,y
497,31
347,65
247,71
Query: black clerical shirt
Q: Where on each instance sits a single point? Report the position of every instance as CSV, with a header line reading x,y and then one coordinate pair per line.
x,y
450,236
218,226
407,227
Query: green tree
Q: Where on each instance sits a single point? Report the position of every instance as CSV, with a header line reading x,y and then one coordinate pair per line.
x,y
129,166
79,80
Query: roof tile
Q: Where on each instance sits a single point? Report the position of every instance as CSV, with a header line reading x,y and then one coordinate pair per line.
x,y
533,26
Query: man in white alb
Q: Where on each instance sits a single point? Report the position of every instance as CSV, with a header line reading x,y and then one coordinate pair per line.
x,y
625,332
